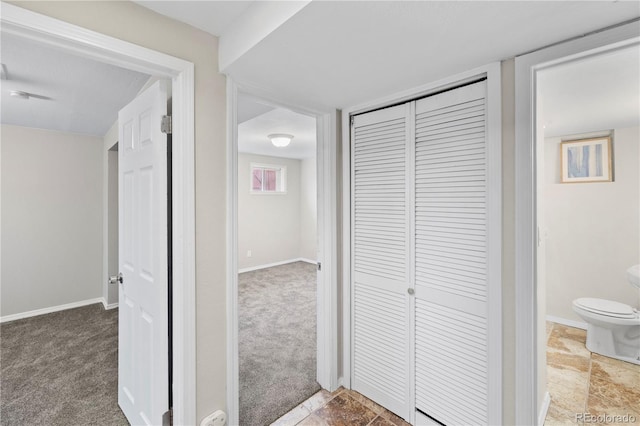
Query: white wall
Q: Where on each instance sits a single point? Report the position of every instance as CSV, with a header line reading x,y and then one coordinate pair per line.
x,y
308,210
110,216
51,219
268,224
593,229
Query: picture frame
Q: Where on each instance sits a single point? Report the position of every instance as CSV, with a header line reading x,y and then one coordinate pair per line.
x,y
586,160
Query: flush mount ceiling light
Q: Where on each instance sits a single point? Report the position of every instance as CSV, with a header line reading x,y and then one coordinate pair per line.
x,y
19,94
280,139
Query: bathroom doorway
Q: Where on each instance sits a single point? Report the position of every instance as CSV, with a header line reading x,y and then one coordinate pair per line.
x,y
588,227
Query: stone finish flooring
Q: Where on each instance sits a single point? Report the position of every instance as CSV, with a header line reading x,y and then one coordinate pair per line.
x,y
340,408
581,382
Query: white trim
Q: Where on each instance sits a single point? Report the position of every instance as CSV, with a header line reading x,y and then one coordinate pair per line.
x,y
328,286
311,261
526,68
233,369
51,309
271,265
326,125
108,307
494,241
544,409
345,221
494,226
569,323
103,48
417,92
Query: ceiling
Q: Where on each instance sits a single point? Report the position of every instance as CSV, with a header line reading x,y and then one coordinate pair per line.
x,y
592,94
337,54
213,17
69,93
322,56
253,132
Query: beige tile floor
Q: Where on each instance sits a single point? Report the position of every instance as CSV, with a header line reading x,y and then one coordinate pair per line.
x,y
581,382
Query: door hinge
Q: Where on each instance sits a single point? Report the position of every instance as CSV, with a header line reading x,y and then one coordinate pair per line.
x,y
165,124
167,418
319,266
352,119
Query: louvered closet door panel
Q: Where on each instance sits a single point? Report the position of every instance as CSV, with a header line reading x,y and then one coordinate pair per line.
x,y
380,258
451,256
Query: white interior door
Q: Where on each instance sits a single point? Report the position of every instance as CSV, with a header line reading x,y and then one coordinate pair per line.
x,y
452,256
421,214
143,352
381,270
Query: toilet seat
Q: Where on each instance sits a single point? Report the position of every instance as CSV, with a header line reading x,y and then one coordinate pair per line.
x,y
606,307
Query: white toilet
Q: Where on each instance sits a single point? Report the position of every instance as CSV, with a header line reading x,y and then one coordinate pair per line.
x,y
613,328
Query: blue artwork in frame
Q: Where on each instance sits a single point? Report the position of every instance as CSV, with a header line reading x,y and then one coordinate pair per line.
x,y
586,160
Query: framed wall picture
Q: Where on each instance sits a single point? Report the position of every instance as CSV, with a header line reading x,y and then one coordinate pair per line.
x,y
586,160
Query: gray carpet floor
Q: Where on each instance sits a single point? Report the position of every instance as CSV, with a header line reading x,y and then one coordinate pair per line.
x,y
61,369
277,341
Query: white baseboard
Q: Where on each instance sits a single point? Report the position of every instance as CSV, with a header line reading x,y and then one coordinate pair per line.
x,y
270,265
543,410
567,322
304,259
108,306
43,311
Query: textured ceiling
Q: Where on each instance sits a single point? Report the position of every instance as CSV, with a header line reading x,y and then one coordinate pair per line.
x,y
70,93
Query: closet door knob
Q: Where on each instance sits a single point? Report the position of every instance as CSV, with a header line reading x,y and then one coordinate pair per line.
x,y
411,291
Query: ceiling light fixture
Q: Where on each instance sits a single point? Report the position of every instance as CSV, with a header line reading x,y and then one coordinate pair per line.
x,y
280,140
19,94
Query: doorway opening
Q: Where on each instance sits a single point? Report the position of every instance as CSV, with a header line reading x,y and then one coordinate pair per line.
x,y
95,46
277,259
60,230
588,216
538,171
266,180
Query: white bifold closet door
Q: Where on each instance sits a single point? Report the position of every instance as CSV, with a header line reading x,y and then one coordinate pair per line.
x,y
451,339
420,258
380,262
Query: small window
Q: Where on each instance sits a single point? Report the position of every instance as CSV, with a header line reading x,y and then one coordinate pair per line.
x,y
268,179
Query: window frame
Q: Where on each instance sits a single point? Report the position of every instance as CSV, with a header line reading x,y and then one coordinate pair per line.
x,y
281,178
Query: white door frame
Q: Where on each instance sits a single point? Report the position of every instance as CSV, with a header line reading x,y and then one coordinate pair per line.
x,y
494,182
103,48
526,68
327,299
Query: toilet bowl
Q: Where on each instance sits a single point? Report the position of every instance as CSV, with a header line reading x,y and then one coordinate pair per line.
x,y
613,328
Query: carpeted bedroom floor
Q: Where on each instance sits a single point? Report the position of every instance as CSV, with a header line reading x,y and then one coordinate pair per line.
x,y
277,341
61,369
